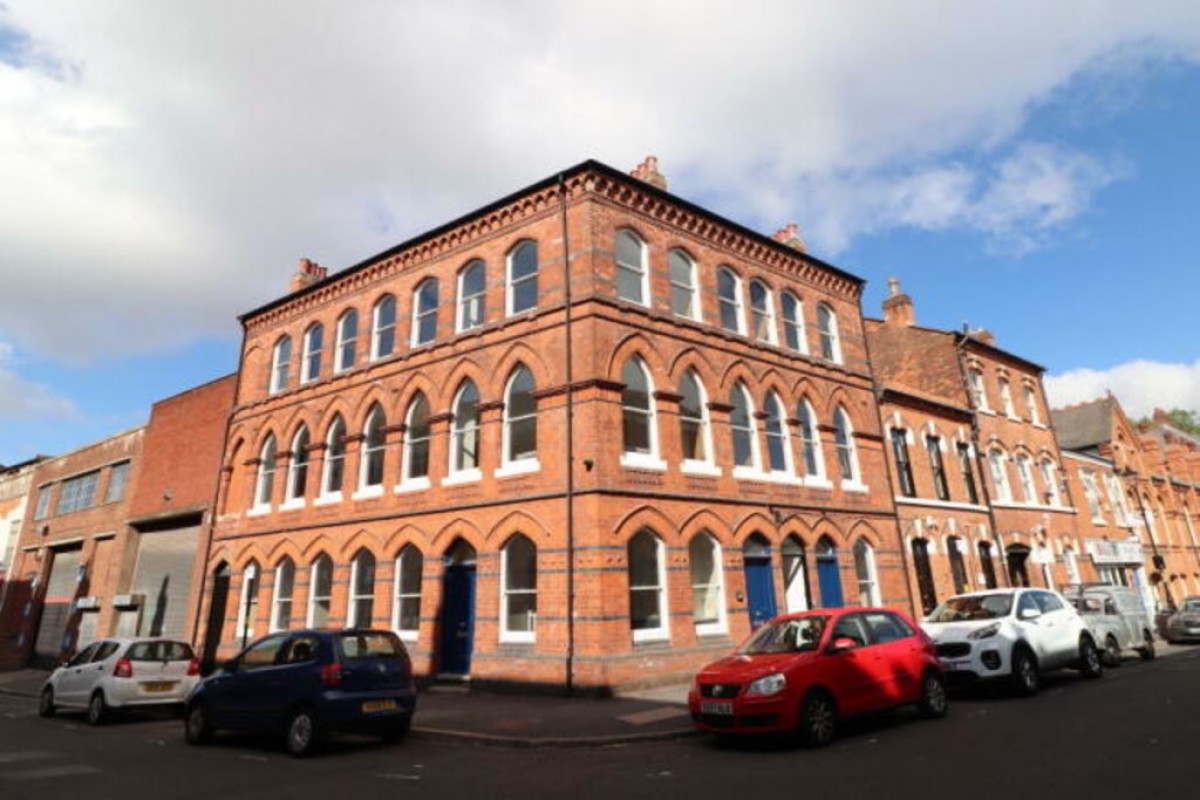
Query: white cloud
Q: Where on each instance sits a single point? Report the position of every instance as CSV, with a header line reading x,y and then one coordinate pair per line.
x,y
20,398
162,165
1140,385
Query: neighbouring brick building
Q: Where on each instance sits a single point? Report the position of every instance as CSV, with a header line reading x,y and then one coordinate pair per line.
x,y
583,436
15,482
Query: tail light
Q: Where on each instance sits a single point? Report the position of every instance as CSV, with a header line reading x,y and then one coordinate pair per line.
x,y
123,669
331,674
194,667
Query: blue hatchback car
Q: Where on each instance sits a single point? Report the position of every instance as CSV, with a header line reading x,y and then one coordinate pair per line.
x,y
305,684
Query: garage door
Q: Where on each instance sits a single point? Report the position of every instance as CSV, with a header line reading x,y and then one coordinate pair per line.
x,y
56,611
162,576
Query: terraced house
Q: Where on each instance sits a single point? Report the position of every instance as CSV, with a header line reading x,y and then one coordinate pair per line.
x,y
583,436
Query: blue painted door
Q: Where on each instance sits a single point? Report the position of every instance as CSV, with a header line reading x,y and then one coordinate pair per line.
x,y
458,620
760,590
830,580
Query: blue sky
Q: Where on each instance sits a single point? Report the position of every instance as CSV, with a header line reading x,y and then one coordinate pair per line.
x,y
1028,169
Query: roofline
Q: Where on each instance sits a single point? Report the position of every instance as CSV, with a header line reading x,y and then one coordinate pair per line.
x,y
591,165
963,338
892,390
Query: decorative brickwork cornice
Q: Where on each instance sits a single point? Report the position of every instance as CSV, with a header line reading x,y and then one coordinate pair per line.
x,y
668,397
723,408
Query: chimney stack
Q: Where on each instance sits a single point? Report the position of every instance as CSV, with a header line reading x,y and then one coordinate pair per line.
x,y
648,171
790,235
309,272
898,310
983,335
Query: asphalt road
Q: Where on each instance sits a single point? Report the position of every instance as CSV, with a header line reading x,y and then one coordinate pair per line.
x,y
1133,734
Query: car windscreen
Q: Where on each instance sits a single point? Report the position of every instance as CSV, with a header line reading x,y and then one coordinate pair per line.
x,y
786,636
1088,605
1190,606
369,644
973,607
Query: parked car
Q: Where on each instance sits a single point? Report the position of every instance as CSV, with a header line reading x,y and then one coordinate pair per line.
x,y
803,672
1184,624
119,674
1011,634
306,684
1117,619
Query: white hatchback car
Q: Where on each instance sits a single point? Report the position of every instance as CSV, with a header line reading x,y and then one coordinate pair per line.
x,y
121,673
1014,634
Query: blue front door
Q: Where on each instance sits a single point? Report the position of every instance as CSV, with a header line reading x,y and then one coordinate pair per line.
x,y
760,590
830,580
458,620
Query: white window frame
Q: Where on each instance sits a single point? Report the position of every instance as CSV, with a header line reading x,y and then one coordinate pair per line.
x,y
641,269
409,482
1049,477
820,478
1071,562
766,314
754,468
281,364
789,467
345,341
465,300
1031,403
996,459
247,603
1091,493
264,482
353,597
299,459
706,465
399,595
663,631
307,373
277,599
871,581
846,429
794,321
420,312
510,284
715,585
1006,399
830,333
1025,476
527,463
314,574
978,389
325,494
651,459
1116,500
378,329
507,635
458,431
735,302
689,288
366,450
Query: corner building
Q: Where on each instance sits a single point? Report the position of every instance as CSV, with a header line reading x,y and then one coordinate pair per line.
x,y
586,436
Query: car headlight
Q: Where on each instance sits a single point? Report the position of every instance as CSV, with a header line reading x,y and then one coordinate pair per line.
x,y
767,686
985,633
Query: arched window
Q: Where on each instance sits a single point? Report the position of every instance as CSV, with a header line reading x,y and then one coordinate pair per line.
x,y
281,604
297,482
383,327
729,299
522,283
741,423
958,566
518,590
347,341
827,329
793,323
647,588
810,443
847,452
362,590
978,392
1050,479
989,566
320,592
281,364
425,306
1071,562
1006,398
1000,476
638,434
708,584
864,568
416,443
1025,474
795,574
683,285
694,428
248,607
633,282
406,614
335,458
779,449
373,450
314,341
1031,405
762,312
264,487
464,447
472,285
520,419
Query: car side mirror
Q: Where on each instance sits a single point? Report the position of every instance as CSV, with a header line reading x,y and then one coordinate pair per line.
x,y
1030,613
841,645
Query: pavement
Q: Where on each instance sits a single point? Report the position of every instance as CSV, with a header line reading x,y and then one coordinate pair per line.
x,y
454,712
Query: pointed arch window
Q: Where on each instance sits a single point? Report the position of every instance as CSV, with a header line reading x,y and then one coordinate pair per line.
x,y
795,577
1050,479
297,479
810,443
1000,476
827,329
847,452
793,323
374,452
406,612
864,568
333,471
264,486
729,300
779,448
708,584
978,392
464,446
383,327
633,277
1025,474
472,285
522,283
762,313
648,616
415,469
1071,562
248,607
745,434
1031,405
683,285
281,364
281,603
314,342
1006,398
320,592
639,435
362,590
695,429
520,422
425,307
958,566
347,341
518,590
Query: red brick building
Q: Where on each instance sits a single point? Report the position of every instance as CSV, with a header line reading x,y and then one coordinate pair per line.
x,y
582,436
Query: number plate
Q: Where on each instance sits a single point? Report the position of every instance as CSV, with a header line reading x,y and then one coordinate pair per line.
x,y
716,708
378,705
161,686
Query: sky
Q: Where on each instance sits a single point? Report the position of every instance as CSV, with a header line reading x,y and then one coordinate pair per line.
x,y
1027,167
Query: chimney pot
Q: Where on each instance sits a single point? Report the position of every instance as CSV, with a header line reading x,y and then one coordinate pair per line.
x,y
898,309
790,235
648,171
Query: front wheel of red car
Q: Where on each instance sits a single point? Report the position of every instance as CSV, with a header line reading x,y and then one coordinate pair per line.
x,y
818,719
933,703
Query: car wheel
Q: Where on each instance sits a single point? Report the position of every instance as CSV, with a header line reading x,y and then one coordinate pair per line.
x,y
933,703
97,710
1147,650
398,731
302,737
1025,677
1089,659
818,719
46,702
1112,652
196,727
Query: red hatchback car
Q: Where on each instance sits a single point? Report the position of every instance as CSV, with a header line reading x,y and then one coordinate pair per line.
x,y
802,672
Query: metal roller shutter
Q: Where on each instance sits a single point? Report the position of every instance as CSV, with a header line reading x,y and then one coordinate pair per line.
x,y
162,576
56,610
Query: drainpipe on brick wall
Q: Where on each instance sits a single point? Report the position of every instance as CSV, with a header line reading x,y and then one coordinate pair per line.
x,y
570,411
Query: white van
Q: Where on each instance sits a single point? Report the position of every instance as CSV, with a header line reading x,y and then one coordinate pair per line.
x,y
1116,617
